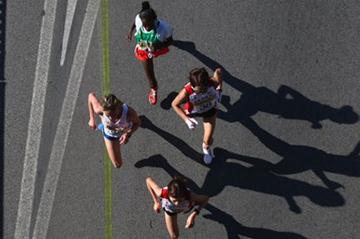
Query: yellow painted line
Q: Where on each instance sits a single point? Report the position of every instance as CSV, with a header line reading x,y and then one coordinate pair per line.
x,y
106,86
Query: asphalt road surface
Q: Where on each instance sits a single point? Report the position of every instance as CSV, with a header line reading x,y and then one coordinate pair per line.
x,y
286,142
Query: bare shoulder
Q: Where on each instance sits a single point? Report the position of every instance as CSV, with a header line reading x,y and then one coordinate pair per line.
x,y
198,198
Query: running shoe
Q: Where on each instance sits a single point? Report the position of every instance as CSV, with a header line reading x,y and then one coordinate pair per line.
x,y
152,96
208,155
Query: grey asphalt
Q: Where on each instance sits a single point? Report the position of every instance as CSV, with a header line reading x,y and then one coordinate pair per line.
x,y
286,142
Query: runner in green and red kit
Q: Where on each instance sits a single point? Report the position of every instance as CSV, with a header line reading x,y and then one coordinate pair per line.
x,y
153,37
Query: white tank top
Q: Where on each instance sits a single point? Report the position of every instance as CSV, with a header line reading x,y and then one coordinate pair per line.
x,y
116,129
202,102
169,206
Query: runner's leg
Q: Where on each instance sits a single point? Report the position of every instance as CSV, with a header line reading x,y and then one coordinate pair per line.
x,y
171,226
113,149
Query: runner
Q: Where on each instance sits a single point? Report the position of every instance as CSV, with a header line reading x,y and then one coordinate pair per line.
x,y
176,198
153,37
118,123
201,96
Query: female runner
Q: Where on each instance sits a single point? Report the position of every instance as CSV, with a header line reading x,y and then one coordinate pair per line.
x,y
201,96
118,123
176,198
153,37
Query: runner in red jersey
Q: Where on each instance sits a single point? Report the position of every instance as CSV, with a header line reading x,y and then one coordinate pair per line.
x,y
201,96
176,198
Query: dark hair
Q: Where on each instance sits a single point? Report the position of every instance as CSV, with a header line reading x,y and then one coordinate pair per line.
x,y
109,102
199,77
177,188
147,13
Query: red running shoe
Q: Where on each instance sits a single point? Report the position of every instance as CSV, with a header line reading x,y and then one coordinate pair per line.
x,y
152,96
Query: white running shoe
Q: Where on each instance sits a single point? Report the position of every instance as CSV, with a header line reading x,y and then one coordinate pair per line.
x,y
208,156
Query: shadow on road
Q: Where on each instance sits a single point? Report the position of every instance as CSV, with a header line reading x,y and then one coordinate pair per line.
x,y
298,158
286,102
234,228
290,104
172,139
2,107
223,173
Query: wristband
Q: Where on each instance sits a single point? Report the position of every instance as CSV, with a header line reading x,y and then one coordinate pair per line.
x,y
197,211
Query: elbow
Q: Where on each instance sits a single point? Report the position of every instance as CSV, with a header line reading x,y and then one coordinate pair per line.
x,y
148,180
174,105
91,95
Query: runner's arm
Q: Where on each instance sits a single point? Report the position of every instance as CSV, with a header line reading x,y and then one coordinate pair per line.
x,y
217,78
93,105
176,104
130,33
199,201
154,189
134,118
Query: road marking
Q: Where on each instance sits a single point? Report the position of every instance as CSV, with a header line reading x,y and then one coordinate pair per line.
x,y
70,11
63,128
106,86
22,228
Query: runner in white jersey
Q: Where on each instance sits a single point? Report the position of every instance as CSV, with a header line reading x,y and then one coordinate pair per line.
x,y
153,37
175,198
118,123
201,96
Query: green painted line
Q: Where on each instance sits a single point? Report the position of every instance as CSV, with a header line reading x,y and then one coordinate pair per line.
x,y
105,45
106,86
108,196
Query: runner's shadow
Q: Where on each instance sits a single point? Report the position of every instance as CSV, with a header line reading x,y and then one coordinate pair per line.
x,y
233,227
299,158
166,103
223,174
287,102
172,139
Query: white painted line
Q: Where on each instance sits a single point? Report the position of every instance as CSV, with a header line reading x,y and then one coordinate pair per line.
x,y
63,128
70,11
35,122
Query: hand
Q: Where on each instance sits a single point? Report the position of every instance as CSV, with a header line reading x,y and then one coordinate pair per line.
x,y
218,71
157,207
190,220
92,124
124,138
191,123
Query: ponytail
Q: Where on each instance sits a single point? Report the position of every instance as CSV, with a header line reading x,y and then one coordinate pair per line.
x,y
145,5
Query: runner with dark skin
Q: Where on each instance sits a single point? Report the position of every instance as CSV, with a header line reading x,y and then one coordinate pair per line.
x,y
153,37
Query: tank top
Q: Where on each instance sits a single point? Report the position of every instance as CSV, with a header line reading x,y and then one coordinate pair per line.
x,y
116,129
169,206
201,102
160,33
